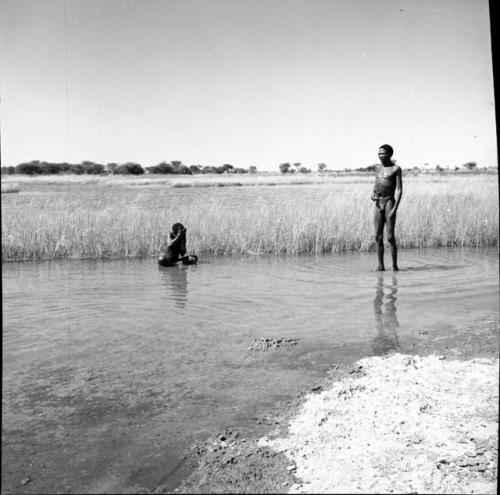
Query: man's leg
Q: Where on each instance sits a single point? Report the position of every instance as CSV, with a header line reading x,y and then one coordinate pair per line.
x,y
391,239
379,220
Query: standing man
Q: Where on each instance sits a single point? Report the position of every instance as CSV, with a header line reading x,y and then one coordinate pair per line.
x,y
387,195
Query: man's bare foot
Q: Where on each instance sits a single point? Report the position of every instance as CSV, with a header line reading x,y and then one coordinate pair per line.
x,y
380,268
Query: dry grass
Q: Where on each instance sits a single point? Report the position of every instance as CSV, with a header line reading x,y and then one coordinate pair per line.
x,y
10,187
202,180
99,222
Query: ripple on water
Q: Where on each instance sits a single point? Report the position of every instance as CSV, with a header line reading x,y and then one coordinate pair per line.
x,y
175,342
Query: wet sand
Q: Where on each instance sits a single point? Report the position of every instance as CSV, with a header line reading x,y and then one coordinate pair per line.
x,y
424,420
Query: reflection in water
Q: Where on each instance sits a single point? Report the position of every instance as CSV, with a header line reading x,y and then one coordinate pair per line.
x,y
386,322
175,278
170,371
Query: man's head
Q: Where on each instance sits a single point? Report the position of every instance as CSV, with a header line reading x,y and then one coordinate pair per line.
x,y
176,227
385,153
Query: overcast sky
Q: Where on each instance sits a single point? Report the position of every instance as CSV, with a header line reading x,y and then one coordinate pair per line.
x,y
247,82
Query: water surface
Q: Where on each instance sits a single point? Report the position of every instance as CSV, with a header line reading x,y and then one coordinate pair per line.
x,y
112,368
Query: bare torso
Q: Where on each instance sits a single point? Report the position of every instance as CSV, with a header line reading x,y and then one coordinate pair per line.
x,y
385,181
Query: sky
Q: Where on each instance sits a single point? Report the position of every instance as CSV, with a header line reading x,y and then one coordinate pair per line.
x,y
247,82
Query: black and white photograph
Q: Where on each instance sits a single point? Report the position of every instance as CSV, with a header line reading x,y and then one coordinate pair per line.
x,y
249,246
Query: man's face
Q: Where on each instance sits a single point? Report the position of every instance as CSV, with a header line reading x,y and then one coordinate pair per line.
x,y
384,155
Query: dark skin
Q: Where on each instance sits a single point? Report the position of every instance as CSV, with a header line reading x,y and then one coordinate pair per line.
x,y
386,319
177,240
175,248
387,195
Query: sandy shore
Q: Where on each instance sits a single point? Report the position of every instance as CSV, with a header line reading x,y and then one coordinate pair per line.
x,y
405,424
419,422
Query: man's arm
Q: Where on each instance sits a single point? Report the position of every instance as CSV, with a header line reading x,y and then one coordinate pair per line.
x,y
399,190
182,250
373,197
177,239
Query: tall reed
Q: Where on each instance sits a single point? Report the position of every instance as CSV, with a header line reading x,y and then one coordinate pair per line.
x,y
332,219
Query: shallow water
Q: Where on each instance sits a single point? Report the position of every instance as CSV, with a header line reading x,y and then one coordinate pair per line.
x,y
112,368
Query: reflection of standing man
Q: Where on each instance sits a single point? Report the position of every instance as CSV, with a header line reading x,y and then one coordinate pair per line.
x,y
386,323
387,195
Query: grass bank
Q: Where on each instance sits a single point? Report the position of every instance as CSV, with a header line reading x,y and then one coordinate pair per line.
x,y
100,220
10,187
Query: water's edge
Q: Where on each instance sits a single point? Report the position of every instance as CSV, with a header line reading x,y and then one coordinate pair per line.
x,y
113,370
226,459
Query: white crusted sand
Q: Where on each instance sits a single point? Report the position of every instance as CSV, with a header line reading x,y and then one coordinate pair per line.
x,y
405,424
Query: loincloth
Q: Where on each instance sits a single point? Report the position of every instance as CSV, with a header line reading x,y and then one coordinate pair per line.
x,y
382,202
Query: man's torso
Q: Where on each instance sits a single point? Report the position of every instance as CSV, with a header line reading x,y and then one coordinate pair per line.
x,y
385,180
